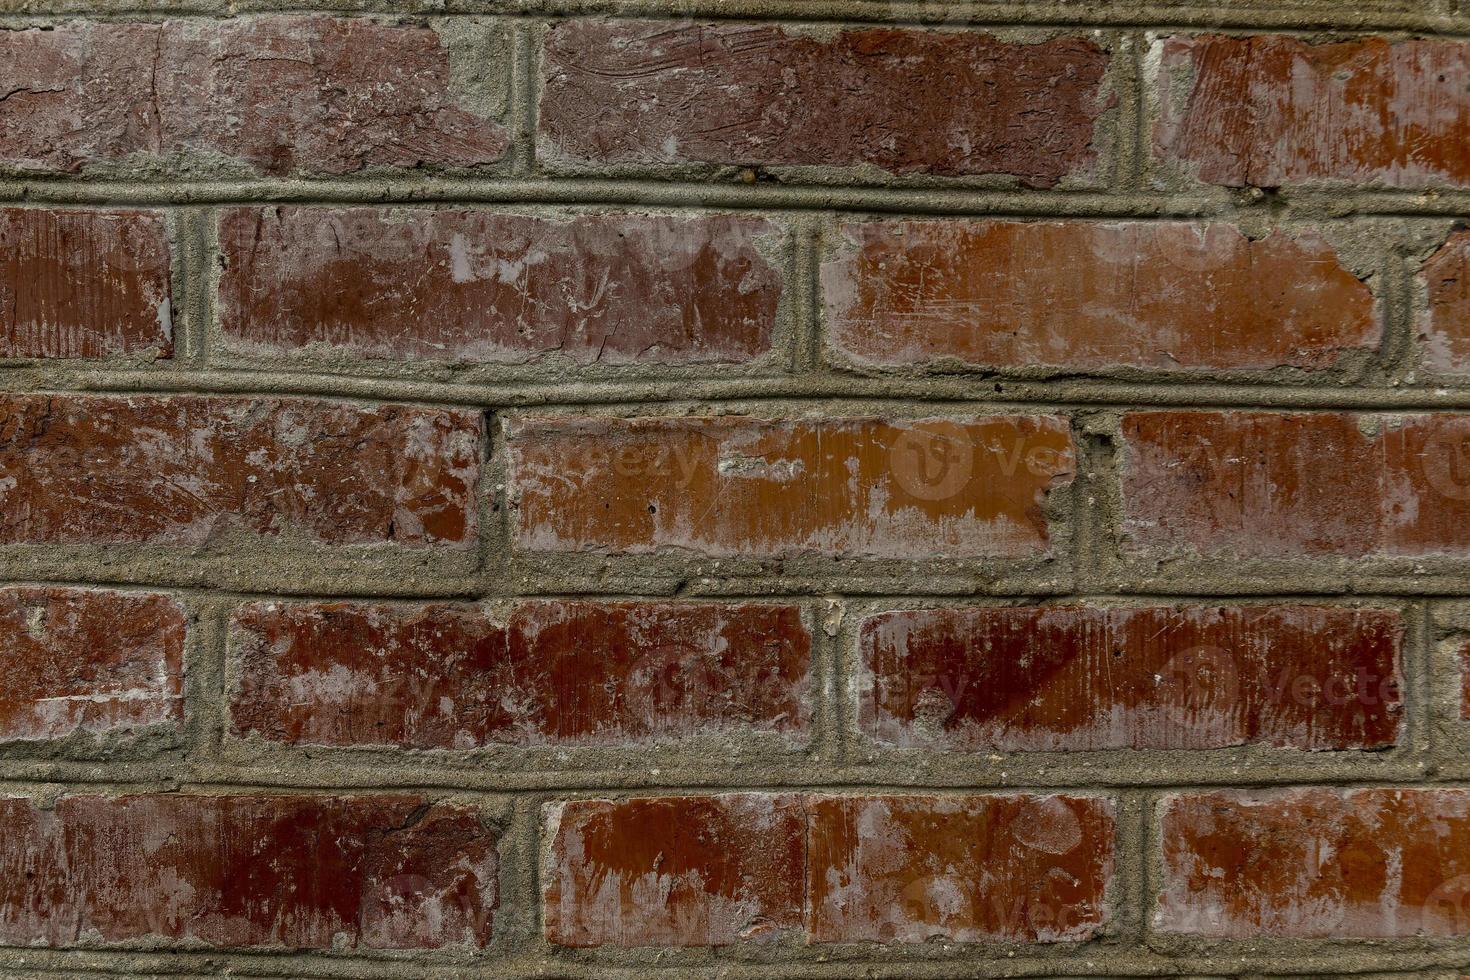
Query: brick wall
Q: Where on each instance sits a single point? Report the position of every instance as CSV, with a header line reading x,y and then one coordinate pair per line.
x,y
788,489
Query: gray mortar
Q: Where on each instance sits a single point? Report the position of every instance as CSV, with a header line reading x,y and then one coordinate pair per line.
x,y
1382,236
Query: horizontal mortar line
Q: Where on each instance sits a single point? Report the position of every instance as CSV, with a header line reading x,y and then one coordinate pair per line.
x,y
620,192
639,192
187,784
661,584
1286,17
1015,600
550,961
717,395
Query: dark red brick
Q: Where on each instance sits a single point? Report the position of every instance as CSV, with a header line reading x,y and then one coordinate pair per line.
x,y
272,94
88,660
505,288
1444,325
715,870
79,283
1316,863
1261,484
382,872
914,869
854,487
92,470
675,871
908,101
1079,678
550,672
1085,295
1464,663
1274,110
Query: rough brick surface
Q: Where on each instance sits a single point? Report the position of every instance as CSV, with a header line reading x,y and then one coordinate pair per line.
x,y
480,286
381,872
274,95
1444,325
906,101
1464,665
1274,485
549,672
84,470
716,870
676,871
912,869
1272,110
88,660
1317,863
84,283
1077,295
1081,678
739,486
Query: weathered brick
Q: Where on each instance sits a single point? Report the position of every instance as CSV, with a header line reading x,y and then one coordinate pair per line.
x,y
1079,678
274,95
1316,863
88,660
481,286
550,672
1085,295
674,871
908,101
715,870
1274,110
177,470
1261,484
749,487
381,872
1444,325
913,869
79,283
1464,663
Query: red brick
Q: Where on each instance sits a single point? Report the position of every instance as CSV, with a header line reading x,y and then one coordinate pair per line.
x,y
715,870
913,869
88,660
1444,325
85,470
1079,678
275,95
481,286
1081,295
749,487
1259,484
382,872
550,673
1275,110
676,871
1465,682
949,103
83,283
1316,863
